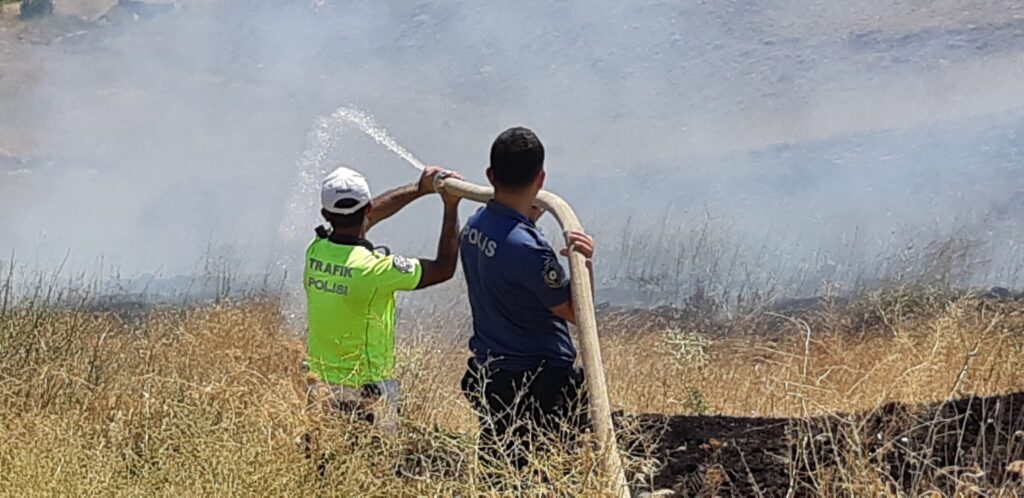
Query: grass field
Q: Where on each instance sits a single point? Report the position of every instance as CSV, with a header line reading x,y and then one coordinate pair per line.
x,y
209,400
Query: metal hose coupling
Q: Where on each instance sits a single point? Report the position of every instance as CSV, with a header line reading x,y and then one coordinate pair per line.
x,y
440,178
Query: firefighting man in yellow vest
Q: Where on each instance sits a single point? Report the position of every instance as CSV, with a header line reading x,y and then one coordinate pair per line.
x,y
350,292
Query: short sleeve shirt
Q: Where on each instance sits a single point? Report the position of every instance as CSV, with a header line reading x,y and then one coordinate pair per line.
x,y
350,295
514,278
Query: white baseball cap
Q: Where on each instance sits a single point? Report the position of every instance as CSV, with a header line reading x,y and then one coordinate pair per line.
x,y
344,184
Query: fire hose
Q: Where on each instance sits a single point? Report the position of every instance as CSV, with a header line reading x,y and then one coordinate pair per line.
x,y
586,322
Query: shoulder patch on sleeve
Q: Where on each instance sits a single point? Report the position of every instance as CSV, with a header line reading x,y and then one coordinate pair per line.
x,y
553,277
403,265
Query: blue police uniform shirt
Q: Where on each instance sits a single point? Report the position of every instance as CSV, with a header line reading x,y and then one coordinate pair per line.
x,y
514,278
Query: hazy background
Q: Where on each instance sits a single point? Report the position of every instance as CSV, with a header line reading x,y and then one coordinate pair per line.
x,y
765,143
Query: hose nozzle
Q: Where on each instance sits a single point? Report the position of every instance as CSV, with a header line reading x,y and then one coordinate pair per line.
x,y
440,178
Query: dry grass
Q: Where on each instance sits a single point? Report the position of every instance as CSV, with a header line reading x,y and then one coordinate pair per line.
x,y
208,400
821,364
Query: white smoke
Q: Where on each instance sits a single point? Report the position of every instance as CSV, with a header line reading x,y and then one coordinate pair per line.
x,y
155,142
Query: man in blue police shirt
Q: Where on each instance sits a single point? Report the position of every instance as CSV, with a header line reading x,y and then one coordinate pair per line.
x,y
521,379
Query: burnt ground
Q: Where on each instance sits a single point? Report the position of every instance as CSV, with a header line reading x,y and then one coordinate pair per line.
x,y
911,448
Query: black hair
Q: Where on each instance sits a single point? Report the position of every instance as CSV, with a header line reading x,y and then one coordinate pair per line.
x,y
517,157
345,220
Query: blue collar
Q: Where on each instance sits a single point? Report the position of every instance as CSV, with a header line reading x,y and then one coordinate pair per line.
x,y
507,212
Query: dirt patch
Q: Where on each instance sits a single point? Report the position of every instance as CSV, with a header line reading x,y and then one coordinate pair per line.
x,y
943,447
9,9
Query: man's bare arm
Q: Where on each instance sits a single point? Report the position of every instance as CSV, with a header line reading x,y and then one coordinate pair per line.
x,y
584,244
387,204
442,268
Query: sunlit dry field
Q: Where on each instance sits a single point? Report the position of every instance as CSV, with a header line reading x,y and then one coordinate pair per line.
x,y
209,400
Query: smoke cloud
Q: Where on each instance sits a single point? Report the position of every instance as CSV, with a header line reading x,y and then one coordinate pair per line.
x,y
821,134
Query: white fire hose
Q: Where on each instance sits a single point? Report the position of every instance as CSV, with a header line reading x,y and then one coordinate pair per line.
x,y
583,301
